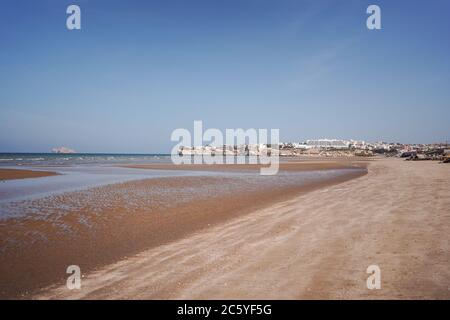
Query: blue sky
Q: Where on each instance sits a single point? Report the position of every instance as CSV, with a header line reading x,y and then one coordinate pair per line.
x,y
137,70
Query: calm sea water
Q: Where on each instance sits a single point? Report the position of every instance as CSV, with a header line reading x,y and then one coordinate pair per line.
x,y
59,159
83,171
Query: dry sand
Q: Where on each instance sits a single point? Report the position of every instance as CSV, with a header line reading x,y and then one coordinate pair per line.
x,y
10,174
317,245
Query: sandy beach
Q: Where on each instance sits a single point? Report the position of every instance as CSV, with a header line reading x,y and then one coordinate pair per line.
x,y
102,225
235,150
12,174
316,245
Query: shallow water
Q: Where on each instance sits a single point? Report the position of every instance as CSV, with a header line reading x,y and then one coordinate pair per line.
x,y
75,178
81,186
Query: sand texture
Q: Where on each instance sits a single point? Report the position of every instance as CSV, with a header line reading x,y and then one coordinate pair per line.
x,y
11,174
98,226
316,245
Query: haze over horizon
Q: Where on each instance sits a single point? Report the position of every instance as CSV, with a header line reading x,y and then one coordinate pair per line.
x,y
137,70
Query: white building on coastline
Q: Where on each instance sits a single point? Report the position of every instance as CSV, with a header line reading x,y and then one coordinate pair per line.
x,y
323,144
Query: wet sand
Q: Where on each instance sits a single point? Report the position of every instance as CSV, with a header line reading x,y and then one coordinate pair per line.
x,y
315,245
288,164
107,224
11,174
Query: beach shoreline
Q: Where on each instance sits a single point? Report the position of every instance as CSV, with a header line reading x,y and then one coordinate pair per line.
x,y
286,164
314,246
94,240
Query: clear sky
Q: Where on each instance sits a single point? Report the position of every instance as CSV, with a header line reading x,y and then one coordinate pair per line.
x,y
137,70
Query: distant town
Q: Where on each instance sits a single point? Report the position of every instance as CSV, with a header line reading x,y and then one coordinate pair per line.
x,y
329,148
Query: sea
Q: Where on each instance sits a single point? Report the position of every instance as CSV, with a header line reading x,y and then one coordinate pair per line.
x,y
62,159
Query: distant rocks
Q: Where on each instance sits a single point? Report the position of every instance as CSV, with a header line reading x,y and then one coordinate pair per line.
x,y
63,150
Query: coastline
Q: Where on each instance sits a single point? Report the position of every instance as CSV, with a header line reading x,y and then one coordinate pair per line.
x,y
96,239
313,246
